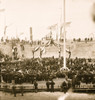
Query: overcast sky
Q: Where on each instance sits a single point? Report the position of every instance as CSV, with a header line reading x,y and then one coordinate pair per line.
x,y
20,15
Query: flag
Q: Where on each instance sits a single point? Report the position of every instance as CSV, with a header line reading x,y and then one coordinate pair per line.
x,y
43,49
67,24
47,44
36,49
53,27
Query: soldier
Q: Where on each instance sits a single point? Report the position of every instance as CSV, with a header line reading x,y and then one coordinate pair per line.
x,y
14,90
36,86
22,90
52,86
64,86
47,84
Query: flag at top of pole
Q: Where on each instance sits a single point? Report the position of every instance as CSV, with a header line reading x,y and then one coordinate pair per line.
x,y
66,24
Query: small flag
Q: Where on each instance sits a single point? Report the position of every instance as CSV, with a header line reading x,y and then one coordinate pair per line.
x,y
53,27
67,24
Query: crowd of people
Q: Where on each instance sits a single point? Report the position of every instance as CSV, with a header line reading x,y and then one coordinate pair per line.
x,y
49,85
80,70
18,40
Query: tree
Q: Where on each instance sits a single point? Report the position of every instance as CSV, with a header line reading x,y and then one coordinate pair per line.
x,y
79,40
91,39
86,40
74,39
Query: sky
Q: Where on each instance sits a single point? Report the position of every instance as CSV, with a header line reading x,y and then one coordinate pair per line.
x,y
20,15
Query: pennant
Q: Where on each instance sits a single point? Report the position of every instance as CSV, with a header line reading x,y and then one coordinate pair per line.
x,y
67,24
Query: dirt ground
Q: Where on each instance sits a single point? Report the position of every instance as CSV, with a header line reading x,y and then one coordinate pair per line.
x,y
47,96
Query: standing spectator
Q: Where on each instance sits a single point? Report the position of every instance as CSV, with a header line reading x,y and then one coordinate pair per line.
x,y
47,84
64,86
14,90
22,90
52,86
36,86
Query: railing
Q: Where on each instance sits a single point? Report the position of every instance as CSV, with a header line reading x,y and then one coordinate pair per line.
x,y
26,88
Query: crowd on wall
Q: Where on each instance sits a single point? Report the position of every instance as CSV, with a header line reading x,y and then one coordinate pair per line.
x,y
85,40
80,70
23,41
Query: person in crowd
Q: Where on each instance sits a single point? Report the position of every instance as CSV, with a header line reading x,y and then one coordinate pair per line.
x,y
52,85
22,90
79,67
64,86
48,85
36,86
14,90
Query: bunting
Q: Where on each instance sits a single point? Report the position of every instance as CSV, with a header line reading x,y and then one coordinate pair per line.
x,y
36,49
51,42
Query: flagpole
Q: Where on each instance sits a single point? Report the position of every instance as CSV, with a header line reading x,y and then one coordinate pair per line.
x,y
64,61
